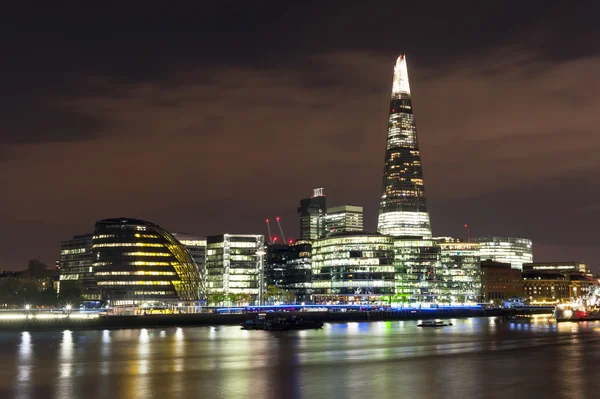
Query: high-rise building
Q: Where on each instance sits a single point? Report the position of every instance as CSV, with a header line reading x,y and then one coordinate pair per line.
x,y
515,251
459,274
343,218
75,265
137,262
402,209
352,267
312,215
232,264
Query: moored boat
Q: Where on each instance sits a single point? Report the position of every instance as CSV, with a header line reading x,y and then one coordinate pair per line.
x,y
433,323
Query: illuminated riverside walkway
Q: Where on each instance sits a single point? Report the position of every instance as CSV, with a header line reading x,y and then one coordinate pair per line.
x,y
32,320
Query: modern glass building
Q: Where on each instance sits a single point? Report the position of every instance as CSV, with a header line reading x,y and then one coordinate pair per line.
x,y
137,262
416,262
513,250
298,272
196,245
459,274
232,264
344,218
402,209
75,265
352,267
312,215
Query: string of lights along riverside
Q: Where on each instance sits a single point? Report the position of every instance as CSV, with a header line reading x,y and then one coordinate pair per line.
x,y
402,210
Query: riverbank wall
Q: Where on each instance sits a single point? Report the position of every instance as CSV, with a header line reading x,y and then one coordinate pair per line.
x,y
211,319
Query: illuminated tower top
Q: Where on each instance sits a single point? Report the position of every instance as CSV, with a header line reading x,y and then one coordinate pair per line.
x,y
400,84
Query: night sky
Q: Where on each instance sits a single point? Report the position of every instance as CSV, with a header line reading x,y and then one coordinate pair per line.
x,y
208,119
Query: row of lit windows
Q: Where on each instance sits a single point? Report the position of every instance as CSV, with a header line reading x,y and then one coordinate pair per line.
x,y
135,273
128,244
143,263
145,235
146,254
103,236
134,283
72,251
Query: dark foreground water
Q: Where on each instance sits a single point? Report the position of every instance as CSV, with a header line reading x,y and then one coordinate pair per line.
x,y
476,358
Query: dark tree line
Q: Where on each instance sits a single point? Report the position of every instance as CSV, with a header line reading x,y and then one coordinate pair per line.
x,y
34,287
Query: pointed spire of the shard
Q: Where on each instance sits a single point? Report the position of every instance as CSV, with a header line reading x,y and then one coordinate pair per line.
x,y
400,84
403,209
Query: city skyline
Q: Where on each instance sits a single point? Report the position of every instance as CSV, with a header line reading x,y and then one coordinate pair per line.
x,y
137,122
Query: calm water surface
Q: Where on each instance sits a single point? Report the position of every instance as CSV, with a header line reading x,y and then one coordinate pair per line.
x,y
476,358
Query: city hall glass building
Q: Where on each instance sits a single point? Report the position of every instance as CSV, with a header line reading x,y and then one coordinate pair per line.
x,y
137,262
352,266
402,209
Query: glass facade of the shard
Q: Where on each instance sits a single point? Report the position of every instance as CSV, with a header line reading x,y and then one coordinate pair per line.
x,y
402,210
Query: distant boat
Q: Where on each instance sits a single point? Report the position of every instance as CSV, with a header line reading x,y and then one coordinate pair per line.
x,y
433,323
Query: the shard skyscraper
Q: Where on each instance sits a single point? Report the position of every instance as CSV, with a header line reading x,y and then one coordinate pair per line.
x,y
402,210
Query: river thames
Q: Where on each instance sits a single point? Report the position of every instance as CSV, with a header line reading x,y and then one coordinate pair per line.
x,y
475,358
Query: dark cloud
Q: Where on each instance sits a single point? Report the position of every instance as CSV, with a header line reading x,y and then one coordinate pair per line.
x,y
212,129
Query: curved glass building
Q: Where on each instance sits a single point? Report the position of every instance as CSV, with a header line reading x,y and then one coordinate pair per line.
x,y
402,209
135,261
352,266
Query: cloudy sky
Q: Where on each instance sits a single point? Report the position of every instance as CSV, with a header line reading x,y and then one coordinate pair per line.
x,y
209,119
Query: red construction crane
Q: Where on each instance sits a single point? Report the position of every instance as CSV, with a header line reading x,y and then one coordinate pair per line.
x,y
468,233
269,231
280,229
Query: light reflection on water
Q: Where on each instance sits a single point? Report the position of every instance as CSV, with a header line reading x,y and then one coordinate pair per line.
x,y
473,358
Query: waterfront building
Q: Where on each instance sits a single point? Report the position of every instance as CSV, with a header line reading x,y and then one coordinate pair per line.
x,y
312,215
352,267
513,250
75,266
196,245
402,209
416,261
278,256
546,288
137,262
343,218
499,281
459,273
581,280
233,265
299,270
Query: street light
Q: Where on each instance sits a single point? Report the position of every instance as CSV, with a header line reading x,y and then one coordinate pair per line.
x,y
27,307
261,275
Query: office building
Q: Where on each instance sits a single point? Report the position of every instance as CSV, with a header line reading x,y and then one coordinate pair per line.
x,y
196,245
402,209
459,273
344,218
298,273
312,215
416,262
75,266
233,265
136,262
515,251
352,267
277,258
499,282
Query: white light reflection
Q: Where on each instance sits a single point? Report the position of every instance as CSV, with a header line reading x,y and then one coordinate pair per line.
x,y
25,352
